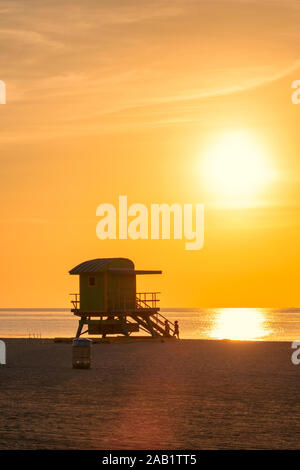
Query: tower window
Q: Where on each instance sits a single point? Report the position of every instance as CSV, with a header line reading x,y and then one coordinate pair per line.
x,y
92,281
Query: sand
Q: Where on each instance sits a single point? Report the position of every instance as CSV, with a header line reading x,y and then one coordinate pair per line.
x,y
188,394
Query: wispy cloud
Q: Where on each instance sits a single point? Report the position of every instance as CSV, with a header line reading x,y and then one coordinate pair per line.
x,y
135,59
28,37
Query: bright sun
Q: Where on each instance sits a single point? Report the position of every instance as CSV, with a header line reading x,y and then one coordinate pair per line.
x,y
239,324
236,165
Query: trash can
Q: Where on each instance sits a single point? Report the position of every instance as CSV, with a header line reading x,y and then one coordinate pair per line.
x,y
81,353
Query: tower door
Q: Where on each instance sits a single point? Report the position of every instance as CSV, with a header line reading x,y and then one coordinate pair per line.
x,y
121,292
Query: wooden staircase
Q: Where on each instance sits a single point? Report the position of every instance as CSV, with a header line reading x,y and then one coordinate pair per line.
x,y
153,323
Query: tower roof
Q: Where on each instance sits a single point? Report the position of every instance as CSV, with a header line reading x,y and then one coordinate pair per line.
x,y
114,265
102,264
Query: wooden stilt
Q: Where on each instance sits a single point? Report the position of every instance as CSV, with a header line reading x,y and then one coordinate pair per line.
x,y
80,326
123,325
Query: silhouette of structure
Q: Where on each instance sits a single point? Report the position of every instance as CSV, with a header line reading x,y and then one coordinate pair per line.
x,y
108,302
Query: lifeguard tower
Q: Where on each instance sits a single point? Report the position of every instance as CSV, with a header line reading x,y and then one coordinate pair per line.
x,y
108,303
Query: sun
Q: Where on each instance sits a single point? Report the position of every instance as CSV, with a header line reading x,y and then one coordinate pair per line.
x,y
235,165
239,324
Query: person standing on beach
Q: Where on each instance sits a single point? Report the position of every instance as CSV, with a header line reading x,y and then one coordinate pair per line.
x,y
176,329
167,328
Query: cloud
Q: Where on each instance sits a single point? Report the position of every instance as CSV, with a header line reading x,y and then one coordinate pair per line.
x,y
70,67
30,37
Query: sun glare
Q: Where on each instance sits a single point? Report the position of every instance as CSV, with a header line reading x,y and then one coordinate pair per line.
x,y
236,166
239,324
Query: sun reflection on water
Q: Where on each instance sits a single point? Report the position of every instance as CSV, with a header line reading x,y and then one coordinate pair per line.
x,y
239,324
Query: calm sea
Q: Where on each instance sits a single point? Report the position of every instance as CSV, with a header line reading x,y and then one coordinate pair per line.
x,y
236,323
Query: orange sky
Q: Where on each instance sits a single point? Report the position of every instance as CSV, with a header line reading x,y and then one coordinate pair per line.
x,y
123,97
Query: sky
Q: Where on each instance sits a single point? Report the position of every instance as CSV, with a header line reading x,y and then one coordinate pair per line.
x,y
131,98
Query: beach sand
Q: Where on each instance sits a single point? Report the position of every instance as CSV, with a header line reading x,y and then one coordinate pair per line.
x,y
189,394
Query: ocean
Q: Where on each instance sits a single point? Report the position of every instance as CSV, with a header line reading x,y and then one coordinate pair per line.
x,y
261,324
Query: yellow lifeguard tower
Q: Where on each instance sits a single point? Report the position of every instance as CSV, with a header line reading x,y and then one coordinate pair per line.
x,y
108,302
